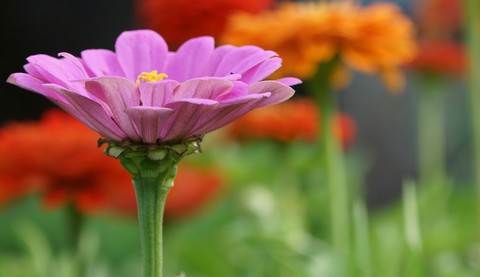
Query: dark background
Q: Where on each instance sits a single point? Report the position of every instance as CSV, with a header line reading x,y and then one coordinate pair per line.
x,y
29,27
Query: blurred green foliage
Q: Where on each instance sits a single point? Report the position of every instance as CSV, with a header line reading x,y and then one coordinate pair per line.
x,y
271,220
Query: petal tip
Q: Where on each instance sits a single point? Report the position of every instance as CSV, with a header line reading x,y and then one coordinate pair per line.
x,y
11,79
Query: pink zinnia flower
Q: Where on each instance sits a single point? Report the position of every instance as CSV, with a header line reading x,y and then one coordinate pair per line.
x,y
142,93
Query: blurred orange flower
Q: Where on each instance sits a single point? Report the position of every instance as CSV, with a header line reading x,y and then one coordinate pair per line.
x,y
180,20
293,120
441,57
373,39
57,158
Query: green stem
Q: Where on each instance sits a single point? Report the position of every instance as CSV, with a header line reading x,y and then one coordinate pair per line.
x,y
472,10
333,159
337,185
431,132
151,196
76,222
413,236
153,169
75,225
362,242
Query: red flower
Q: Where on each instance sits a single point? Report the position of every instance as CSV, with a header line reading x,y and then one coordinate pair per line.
x,y
180,20
289,121
345,129
440,57
57,158
439,18
194,188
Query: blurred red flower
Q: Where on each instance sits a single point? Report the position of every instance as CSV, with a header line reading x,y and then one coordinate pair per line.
x,y
57,158
442,57
194,187
345,129
293,120
180,20
439,18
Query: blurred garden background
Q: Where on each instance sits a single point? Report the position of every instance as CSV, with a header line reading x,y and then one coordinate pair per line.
x,y
371,169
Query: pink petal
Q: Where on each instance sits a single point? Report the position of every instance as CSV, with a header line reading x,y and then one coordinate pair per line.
x,y
141,51
75,61
90,113
289,81
228,111
149,121
261,70
33,84
204,88
102,62
242,59
191,59
279,91
157,94
56,71
239,89
261,94
218,55
118,94
187,113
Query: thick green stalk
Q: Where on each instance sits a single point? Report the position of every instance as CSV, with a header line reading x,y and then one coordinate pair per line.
x,y
472,15
151,196
152,180
153,169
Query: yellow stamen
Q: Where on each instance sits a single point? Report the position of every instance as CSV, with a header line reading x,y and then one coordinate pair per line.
x,y
150,77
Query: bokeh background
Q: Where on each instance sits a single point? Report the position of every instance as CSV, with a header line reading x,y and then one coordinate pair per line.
x,y
51,27
255,215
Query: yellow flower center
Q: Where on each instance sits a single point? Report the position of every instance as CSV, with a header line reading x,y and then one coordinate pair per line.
x,y
152,76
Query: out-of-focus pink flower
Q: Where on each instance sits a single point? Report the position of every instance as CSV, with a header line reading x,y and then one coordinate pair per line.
x,y
440,57
142,93
181,20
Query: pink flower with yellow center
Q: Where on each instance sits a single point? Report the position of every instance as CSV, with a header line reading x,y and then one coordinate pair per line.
x,y
144,94
153,106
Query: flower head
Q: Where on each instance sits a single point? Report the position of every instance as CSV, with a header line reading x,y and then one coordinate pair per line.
x,y
57,158
372,39
126,95
181,20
